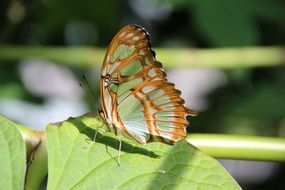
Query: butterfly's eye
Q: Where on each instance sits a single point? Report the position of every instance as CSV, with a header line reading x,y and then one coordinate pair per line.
x,y
108,81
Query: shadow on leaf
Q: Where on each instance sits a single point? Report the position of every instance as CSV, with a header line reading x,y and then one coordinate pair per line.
x,y
110,141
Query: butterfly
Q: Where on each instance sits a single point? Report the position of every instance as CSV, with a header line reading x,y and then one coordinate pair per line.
x,y
137,100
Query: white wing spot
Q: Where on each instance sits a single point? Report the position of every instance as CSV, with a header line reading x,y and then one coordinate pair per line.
x,y
146,61
135,38
121,35
151,73
141,52
129,35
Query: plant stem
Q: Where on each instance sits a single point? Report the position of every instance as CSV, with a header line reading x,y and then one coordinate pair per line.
x,y
170,57
240,147
36,155
224,145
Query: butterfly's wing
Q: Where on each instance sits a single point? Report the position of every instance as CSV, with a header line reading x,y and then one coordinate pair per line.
x,y
136,98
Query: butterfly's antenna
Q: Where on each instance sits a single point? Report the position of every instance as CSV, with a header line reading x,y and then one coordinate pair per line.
x,y
90,90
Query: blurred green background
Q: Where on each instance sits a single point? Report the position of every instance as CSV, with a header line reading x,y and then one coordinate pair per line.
x,y
240,100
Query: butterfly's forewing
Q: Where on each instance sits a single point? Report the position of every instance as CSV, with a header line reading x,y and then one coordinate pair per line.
x,y
136,98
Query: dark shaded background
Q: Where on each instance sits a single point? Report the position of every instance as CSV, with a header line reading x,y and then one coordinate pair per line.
x,y
238,101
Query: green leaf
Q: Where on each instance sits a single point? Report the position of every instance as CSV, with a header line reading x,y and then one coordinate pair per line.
x,y
75,162
12,156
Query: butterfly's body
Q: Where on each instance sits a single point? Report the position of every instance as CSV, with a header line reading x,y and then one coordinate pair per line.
x,y
137,101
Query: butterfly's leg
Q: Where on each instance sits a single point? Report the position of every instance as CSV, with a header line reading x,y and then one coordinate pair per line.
x,y
107,150
91,141
95,135
98,129
120,146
